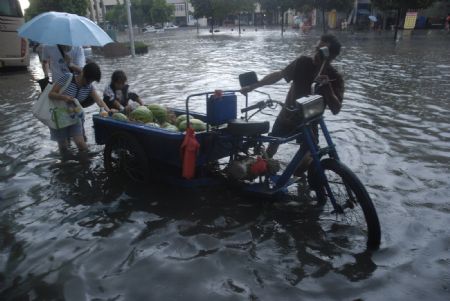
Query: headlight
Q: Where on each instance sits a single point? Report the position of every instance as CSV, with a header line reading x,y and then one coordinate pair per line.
x,y
310,107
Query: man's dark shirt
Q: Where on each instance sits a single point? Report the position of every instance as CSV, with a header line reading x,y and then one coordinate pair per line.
x,y
302,73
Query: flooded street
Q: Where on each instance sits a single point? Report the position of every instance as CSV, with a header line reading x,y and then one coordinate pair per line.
x,y
68,233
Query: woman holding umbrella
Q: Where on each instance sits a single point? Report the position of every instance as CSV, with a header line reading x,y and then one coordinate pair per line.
x,y
79,88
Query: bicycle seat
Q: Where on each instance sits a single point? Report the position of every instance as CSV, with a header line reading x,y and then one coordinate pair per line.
x,y
239,127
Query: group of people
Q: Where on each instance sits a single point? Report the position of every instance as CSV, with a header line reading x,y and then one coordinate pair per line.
x,y
69,63
301,73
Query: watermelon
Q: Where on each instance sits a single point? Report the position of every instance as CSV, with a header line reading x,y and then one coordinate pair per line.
x,y
120,116
141,114
182,118
159,112
196,124
154,124
171,127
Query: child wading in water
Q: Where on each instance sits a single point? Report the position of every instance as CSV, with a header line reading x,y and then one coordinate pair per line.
x,y
116,95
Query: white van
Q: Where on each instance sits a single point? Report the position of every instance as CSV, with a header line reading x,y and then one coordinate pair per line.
x,y
13,49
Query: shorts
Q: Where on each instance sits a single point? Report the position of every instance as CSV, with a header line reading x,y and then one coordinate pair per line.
x,y
62,135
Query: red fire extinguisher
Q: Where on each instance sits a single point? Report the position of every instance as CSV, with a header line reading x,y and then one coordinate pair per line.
x,y
189,150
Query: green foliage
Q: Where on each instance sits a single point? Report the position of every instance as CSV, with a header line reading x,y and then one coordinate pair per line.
x,y
284,5
244,6
79,7
402,4
219,9
340,5
117,15
161,12
139,47
142,11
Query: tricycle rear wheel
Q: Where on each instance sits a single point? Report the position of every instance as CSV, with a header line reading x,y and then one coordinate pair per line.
x,y
124,156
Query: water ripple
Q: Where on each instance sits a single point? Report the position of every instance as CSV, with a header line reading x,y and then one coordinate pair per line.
x,y
69,232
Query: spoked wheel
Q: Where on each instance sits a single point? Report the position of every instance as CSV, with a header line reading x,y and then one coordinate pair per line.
x,y
355,214
124,156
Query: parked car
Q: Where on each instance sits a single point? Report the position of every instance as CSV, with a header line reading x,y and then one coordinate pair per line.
x,y
149,28
170,26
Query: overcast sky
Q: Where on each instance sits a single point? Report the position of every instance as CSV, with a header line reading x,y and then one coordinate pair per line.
x,y
24,4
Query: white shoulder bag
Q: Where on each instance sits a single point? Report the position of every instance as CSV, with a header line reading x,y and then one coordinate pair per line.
x,y
56,114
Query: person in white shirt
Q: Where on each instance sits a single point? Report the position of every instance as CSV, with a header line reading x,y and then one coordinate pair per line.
x,y
61,59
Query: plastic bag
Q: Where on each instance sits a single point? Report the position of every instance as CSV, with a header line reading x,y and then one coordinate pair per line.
x,y
67,115
55,114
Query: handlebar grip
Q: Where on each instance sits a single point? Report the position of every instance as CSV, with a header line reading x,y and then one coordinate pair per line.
x,y
259,105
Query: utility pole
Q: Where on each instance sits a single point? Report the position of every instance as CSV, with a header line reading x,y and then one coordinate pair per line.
x,y
91,11
103,11
96,11
186,10
130,28
239,23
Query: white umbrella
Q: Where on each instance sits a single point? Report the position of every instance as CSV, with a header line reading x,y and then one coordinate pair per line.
x,y
54,28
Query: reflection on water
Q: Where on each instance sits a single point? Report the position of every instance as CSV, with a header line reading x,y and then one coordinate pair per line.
x,y
69,232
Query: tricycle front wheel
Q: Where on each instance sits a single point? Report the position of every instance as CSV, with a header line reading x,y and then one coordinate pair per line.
x,y
124,156
356,212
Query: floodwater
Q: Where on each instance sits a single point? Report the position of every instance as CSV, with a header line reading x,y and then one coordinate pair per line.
x,y
69,233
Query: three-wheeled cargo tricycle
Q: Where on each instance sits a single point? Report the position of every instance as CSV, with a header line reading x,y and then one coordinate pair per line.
x,y
235,150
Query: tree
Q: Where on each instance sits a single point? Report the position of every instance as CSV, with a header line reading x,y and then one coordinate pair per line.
x,y
117,15
279,6
79,7
217,10
401,6
246,5
142,11
212,9
161,12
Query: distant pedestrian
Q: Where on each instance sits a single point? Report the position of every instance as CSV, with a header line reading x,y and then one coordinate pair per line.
x,y
447,23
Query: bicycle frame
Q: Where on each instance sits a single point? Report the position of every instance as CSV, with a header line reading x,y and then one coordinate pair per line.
x,y
304,130
285,179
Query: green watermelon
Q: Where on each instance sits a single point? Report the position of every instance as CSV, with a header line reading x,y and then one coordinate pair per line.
x,y
182,118
154,124
120,116
159,112
196,124
141,114
171,128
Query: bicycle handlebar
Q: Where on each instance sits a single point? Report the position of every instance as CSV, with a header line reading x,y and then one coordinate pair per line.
x,y
262,105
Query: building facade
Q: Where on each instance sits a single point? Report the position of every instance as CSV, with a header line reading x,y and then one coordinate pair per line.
x,y
98,8
181,11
